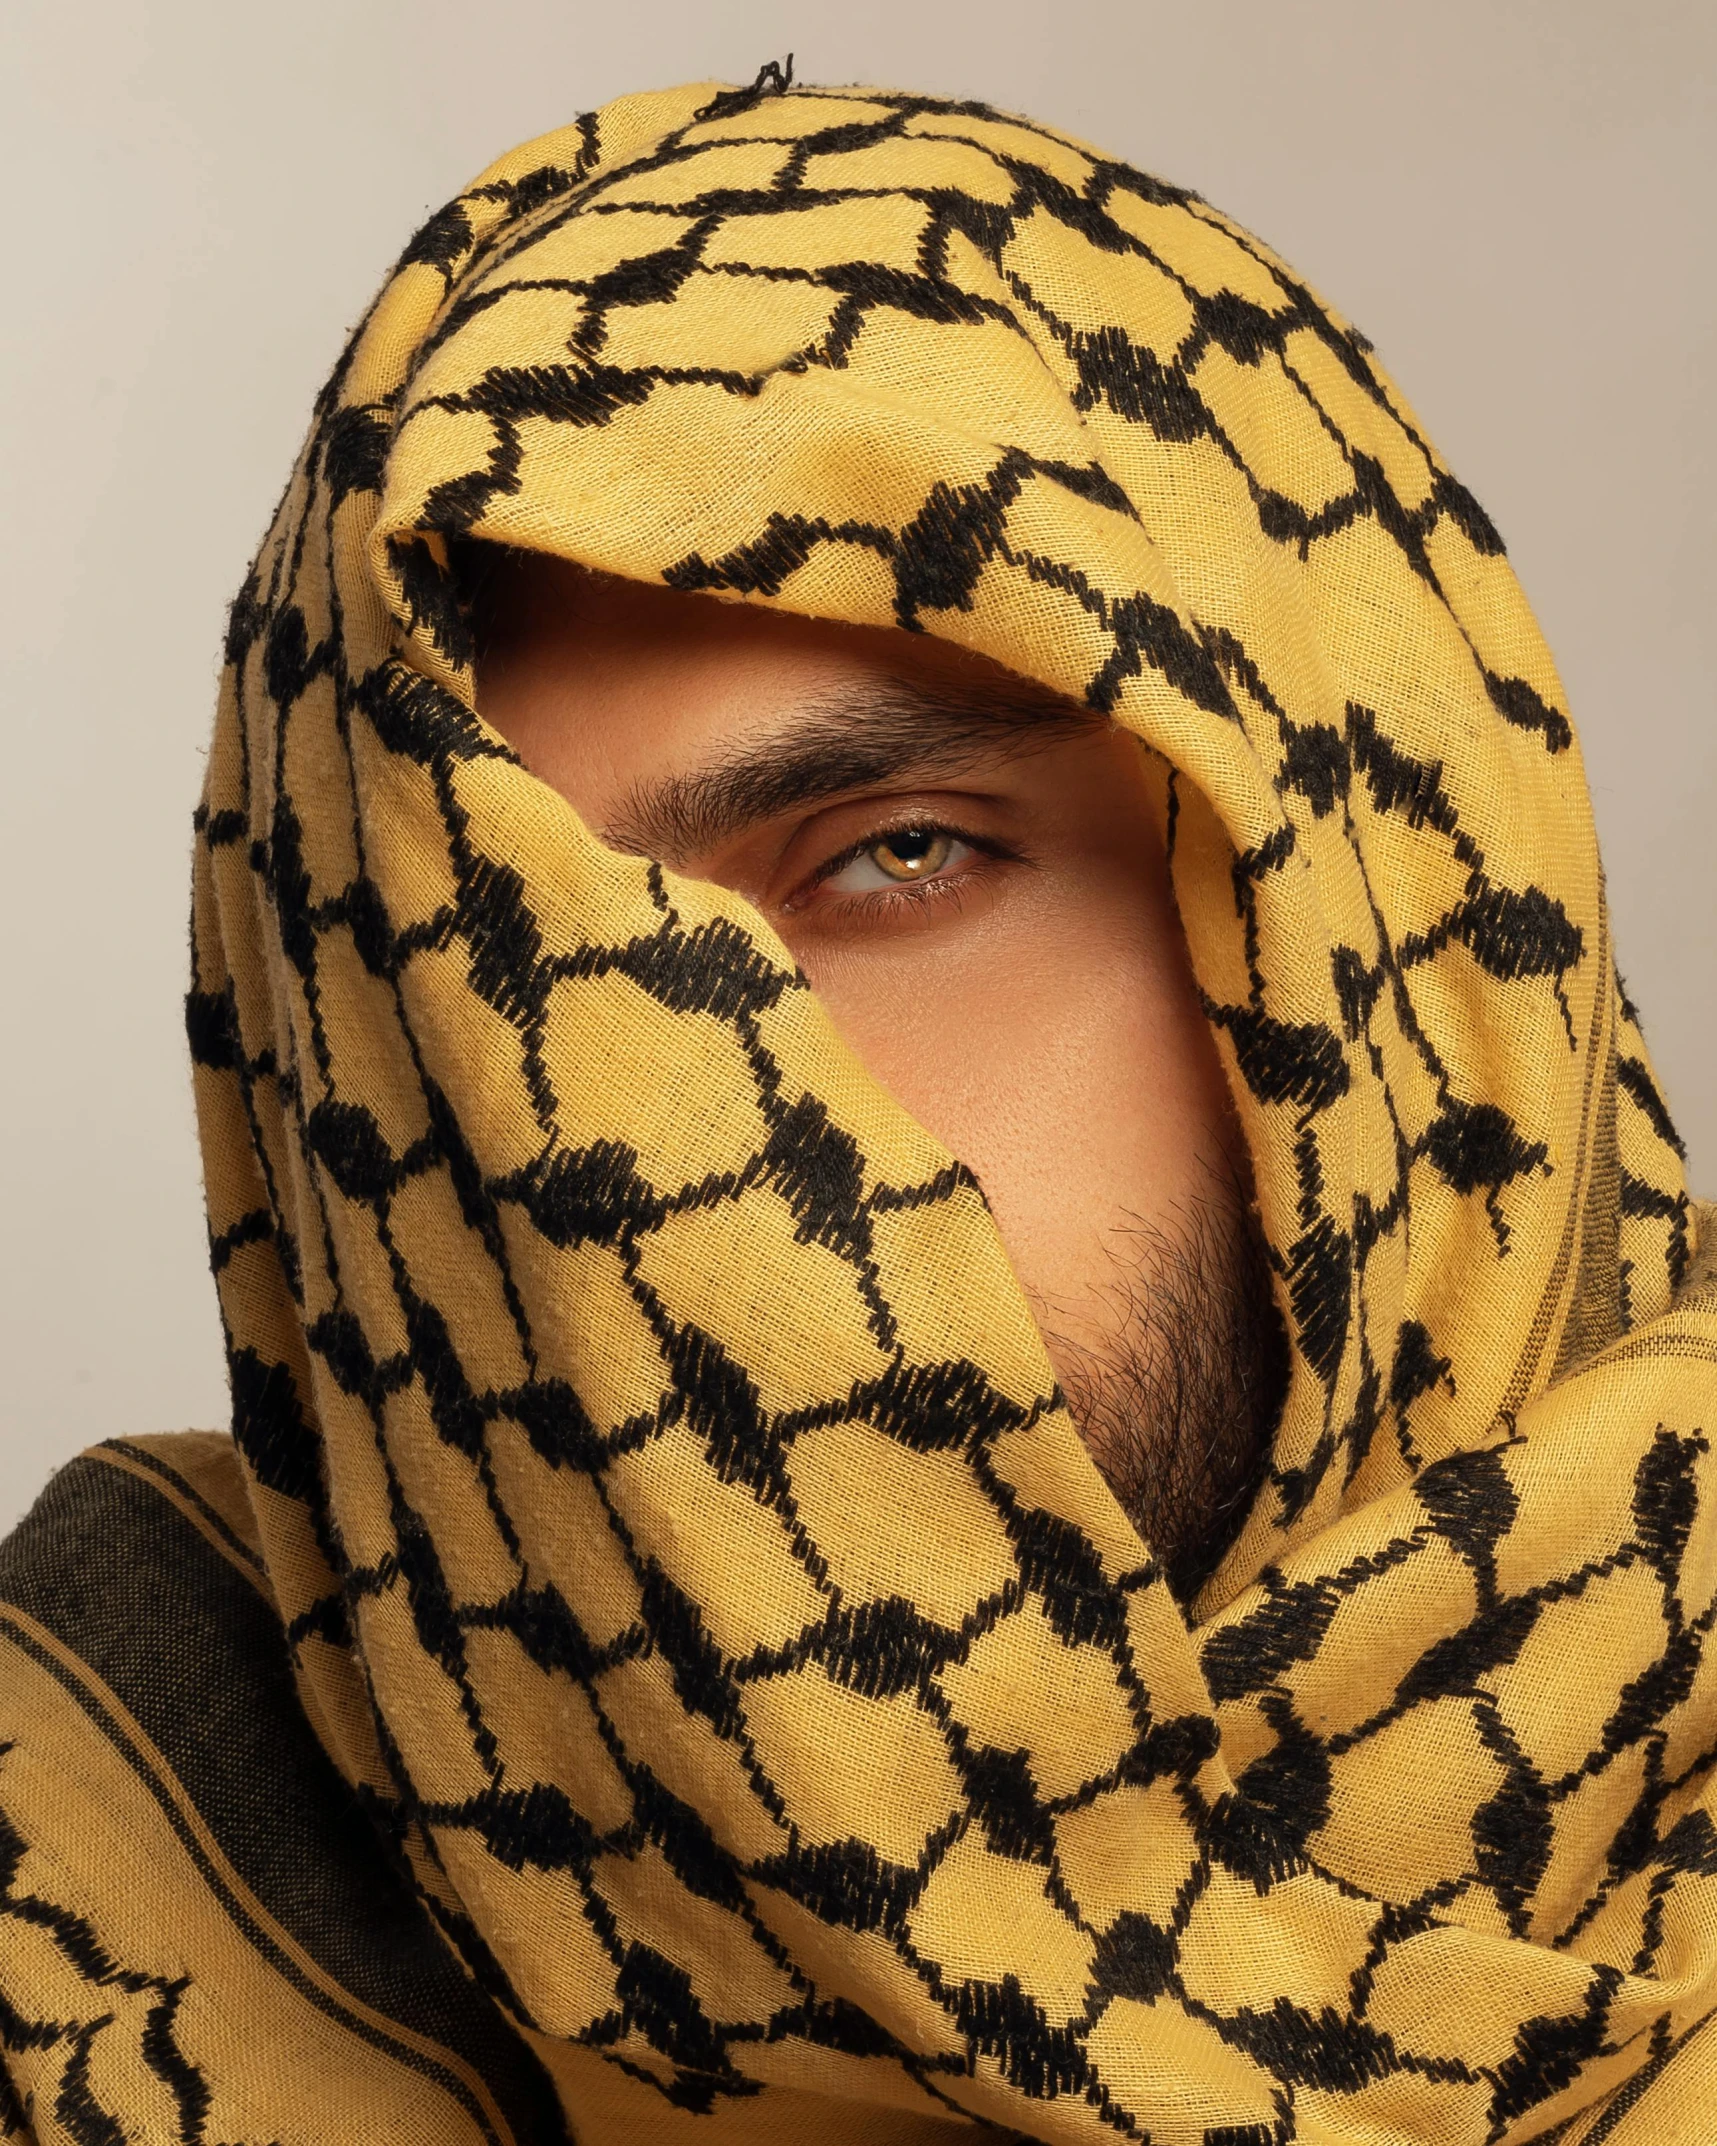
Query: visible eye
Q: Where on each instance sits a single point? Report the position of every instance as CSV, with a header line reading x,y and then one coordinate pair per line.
x,y
905,856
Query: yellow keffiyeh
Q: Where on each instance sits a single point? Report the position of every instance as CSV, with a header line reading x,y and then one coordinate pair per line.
x,y
650,1486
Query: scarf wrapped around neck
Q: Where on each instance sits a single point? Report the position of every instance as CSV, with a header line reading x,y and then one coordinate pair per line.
x,y
654,1659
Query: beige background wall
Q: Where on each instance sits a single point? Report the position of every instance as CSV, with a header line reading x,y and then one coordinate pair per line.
x,y
1513,197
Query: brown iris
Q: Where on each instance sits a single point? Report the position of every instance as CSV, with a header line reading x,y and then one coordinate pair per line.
x,y
912,853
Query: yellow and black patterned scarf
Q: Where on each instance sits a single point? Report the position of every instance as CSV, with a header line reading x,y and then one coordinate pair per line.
x,y
655,1660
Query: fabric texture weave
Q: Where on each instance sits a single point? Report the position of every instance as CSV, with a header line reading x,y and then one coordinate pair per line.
x,y
655,1660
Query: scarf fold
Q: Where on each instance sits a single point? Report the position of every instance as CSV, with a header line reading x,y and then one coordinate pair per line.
x,y
656,1657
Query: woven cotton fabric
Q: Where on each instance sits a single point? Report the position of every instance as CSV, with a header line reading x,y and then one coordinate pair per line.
x,y
645,1471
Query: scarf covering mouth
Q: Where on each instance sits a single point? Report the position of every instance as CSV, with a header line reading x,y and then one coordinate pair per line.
x,y
656,1660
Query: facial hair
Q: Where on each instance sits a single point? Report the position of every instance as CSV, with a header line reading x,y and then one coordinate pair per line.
x,y
1179,1394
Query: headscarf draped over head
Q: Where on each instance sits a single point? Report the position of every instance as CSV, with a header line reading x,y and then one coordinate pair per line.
x,y
645,1459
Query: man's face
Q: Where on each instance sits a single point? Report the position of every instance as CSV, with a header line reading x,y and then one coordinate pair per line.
x,y
967,871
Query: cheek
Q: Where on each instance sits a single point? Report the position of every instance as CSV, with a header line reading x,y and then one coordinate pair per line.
x,y
1058,1049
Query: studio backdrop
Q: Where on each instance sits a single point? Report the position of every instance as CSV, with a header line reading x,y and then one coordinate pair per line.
x,y
1513,198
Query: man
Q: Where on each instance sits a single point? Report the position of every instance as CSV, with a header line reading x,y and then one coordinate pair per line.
x,y
970,874
874,808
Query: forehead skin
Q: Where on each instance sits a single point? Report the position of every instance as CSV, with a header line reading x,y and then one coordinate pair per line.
x,y
1044,1024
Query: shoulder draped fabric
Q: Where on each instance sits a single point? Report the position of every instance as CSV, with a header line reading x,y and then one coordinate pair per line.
x,y
655,1661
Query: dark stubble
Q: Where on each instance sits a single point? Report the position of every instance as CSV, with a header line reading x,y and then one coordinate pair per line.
x,y
1178,1399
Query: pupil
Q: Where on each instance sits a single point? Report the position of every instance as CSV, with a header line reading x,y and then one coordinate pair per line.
x,y
912,845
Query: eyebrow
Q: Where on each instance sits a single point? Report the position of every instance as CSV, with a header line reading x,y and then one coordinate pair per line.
x,y
840,741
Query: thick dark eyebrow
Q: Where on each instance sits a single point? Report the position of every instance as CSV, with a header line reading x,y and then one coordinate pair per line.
x,y
839,742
